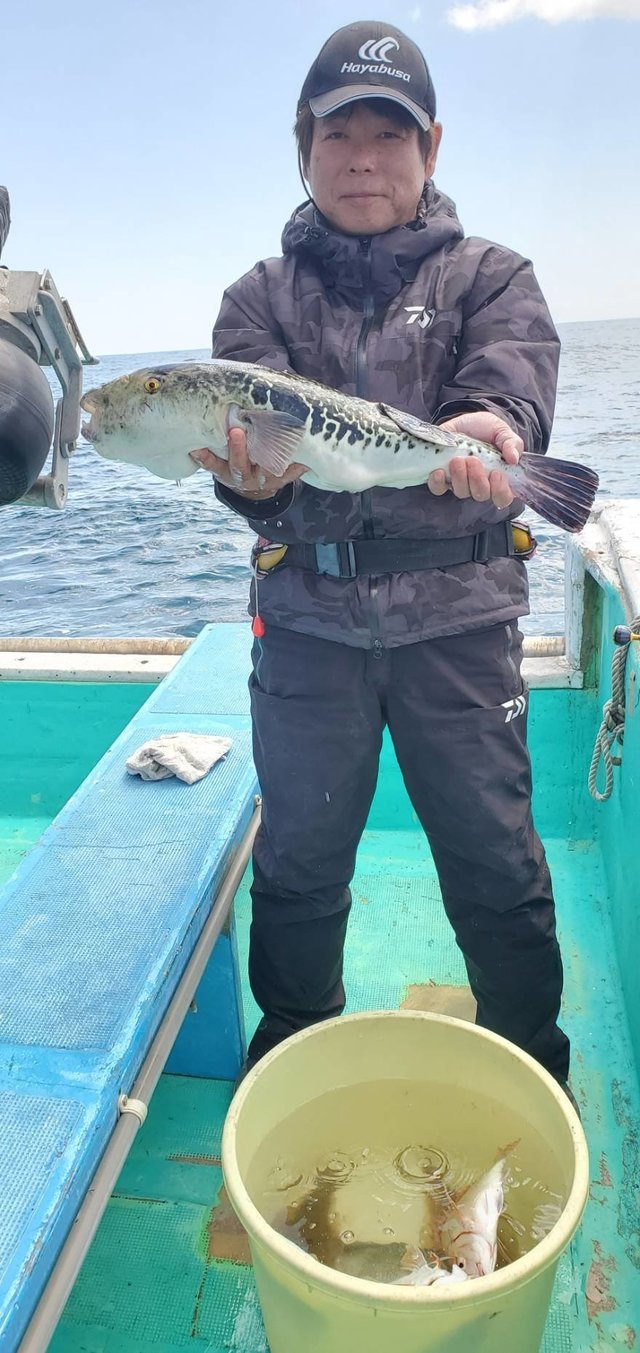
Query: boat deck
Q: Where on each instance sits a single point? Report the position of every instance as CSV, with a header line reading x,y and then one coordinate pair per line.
x,y
169,1269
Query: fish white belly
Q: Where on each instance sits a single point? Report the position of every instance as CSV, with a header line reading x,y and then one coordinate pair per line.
x,y
356,468
166,463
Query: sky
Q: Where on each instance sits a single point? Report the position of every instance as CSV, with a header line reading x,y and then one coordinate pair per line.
x,y
148,151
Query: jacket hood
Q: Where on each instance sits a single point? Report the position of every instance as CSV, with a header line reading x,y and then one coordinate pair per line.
x,y
387,262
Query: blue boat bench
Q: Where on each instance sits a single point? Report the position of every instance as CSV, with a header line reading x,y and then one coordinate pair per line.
x,y
98,924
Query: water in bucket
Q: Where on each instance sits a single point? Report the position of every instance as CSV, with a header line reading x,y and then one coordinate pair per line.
x,y
364,1177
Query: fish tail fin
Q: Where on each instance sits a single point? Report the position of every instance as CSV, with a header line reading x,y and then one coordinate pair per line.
x,y
560,490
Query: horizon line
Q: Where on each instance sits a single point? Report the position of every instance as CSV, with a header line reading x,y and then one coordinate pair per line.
x,y
146,352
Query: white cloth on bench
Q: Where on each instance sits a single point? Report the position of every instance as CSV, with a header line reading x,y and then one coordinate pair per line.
x,y
189,756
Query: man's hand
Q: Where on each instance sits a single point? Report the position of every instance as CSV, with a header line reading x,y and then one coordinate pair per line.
x,y
469,479
240,474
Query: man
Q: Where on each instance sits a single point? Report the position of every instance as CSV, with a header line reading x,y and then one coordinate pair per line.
x,y
379,294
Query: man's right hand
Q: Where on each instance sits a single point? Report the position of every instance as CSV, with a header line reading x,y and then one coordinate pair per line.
x,y
240,474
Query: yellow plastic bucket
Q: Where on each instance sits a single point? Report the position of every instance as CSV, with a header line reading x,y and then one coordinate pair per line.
x,y
309,1307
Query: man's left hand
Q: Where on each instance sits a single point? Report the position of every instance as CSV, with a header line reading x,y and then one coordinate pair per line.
x,y
469,479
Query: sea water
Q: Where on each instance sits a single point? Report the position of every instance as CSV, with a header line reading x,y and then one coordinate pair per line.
x,y
363,1174
134,555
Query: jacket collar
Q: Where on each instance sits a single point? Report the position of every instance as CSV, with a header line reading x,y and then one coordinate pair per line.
x,y
378,265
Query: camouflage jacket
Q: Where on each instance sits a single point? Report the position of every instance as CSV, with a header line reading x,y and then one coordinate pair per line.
x,y
435,324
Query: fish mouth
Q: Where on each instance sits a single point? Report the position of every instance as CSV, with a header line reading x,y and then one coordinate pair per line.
x,y
87,429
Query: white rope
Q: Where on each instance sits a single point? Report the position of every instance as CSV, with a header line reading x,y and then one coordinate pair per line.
x,y
611,730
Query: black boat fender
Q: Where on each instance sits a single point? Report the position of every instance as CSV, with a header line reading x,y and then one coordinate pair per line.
x,y
26,421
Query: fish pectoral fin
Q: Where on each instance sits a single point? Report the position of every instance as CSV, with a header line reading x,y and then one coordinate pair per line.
x,y
272,439
504,1151
422,432
412,1258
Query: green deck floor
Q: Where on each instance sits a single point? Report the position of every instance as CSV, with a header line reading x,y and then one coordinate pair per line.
x,y
17,836
53,734
153,1279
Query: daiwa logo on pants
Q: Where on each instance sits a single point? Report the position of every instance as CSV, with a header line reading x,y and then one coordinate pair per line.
x,y
514,707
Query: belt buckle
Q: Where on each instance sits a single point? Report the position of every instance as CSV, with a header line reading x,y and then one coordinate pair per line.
x,y
338,561
347,559
480,548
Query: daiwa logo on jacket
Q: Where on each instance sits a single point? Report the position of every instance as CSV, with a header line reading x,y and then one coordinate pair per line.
x,y
420,313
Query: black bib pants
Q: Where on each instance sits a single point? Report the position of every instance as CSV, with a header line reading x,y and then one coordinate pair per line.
x,y
456,711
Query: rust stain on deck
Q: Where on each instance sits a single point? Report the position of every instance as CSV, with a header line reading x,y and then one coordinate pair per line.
x,y
604,1181
197,1307
626,1120
604,1178
196,1160
226,1236
597,1293
440,1000
139,1198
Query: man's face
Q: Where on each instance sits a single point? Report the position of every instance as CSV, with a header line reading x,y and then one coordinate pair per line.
x,y
366,171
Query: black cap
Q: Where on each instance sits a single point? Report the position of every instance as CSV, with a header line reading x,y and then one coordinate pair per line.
x,y
370,61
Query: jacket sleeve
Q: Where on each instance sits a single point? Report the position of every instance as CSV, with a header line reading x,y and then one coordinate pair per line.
x,y
247,331
508,353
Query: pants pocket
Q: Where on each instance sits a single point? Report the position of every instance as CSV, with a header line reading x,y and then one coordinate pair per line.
x,y
513,645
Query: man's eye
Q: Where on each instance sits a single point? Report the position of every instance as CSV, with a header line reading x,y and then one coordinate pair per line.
x,y
395,136
334,136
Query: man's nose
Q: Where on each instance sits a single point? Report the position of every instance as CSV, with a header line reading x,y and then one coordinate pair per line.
x,y
362,160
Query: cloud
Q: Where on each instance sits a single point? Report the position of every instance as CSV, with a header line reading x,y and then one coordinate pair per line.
x,y
415,13
493,13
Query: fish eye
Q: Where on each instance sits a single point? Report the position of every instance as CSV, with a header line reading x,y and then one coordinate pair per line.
x,y
151,385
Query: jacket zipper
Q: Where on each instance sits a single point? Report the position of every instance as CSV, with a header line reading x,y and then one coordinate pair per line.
x,y
362,391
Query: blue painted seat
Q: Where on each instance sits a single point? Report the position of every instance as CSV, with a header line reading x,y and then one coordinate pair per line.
x,y
98,924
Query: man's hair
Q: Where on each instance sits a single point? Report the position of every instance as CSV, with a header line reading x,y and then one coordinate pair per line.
x,y
305,121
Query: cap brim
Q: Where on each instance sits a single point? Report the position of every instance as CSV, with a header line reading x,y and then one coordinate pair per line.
x,y
327,103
